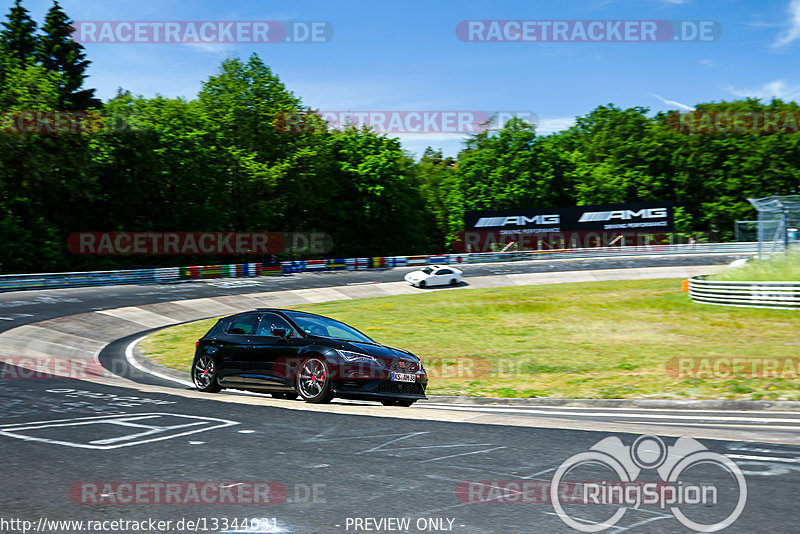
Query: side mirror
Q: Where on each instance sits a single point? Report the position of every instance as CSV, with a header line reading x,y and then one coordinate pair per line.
x,y
279,332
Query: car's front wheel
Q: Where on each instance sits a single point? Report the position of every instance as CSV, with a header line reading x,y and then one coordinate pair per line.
x,y
204,374
421,284
314,381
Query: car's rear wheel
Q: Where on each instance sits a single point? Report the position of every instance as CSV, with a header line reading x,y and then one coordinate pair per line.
x,y
314,381
422,284
453,281
204,374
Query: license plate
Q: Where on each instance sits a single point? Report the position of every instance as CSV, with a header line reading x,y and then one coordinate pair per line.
x,y
404,377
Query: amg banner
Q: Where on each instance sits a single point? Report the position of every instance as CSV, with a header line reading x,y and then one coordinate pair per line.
x,y
639,216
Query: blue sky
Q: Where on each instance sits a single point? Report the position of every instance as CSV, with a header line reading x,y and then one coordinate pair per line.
x,y
406,56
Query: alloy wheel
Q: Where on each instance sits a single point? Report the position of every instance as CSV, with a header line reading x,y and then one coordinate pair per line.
x,y
204,374
313,381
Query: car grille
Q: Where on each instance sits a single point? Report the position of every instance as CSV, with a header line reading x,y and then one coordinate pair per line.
x,y
402,366
402,388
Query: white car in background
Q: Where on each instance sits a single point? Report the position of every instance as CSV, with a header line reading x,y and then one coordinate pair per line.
x,y
435,275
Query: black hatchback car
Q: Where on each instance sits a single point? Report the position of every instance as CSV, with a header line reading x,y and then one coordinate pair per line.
x,y
290,353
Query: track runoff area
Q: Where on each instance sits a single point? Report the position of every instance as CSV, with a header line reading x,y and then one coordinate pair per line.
x,y
92,453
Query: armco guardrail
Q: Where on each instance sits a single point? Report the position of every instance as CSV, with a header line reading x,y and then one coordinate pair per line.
x,y
16,282
775,295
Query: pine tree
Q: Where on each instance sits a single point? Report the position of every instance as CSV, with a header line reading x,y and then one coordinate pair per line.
x,y
19,36
58,52
5,67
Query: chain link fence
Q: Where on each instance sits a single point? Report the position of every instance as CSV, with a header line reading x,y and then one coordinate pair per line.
x,y
778,225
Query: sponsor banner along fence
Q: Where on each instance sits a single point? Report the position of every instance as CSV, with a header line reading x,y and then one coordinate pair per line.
x,y
16,282
639,216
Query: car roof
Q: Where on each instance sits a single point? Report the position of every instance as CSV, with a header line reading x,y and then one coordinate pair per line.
x,y
279,310
282,310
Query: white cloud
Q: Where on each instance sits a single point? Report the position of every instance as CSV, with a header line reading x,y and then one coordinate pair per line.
x,y
673,103
776,89
548,126
792,33
451,144
222,50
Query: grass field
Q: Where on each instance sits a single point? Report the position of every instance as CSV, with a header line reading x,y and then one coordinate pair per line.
x,y
584,340
779,267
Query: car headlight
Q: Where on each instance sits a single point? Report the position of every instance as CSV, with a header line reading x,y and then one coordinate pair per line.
x,y
352,357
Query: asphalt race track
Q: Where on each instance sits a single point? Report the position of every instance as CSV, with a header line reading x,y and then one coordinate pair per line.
x,y
23,307
332,467
156,450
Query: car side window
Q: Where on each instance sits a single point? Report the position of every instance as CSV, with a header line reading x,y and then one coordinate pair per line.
x,y
336,332
270,321
444,271
243,325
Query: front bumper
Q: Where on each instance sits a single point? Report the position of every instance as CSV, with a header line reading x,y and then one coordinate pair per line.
x,y
365,389
412,280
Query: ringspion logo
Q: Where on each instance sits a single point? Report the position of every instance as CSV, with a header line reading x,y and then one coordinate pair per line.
x,y
678,491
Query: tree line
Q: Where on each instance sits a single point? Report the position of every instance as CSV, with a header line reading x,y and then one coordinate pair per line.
x,y
222,162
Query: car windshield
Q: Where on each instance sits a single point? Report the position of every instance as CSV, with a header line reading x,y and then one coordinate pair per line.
x,y
323,326
427,270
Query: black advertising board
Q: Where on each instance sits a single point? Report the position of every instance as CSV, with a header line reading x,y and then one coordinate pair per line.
x,y
639,216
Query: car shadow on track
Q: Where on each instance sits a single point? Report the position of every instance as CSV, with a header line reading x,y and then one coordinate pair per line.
x,y
459,285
